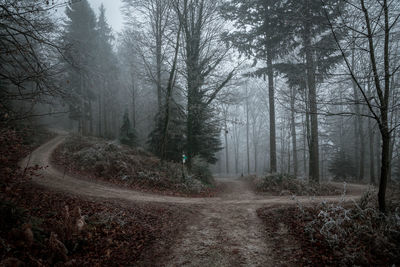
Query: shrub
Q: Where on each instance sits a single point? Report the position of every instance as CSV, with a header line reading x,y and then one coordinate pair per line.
x,y
127,133
201,171
344,228
132,167
287,184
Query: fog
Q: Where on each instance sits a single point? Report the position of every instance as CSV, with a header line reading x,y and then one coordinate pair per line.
x,y
264,93
199,133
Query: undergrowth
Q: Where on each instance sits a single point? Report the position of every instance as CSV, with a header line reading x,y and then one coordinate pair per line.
x,y
284,184
132,167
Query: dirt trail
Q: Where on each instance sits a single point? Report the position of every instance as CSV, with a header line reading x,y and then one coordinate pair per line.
x,y
54,178
227,232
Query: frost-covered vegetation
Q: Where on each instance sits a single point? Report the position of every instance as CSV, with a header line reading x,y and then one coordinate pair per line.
x,y
359,232
284,184
338,234
132,167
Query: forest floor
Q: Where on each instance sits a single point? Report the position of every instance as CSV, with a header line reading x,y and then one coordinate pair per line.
x,y
224,230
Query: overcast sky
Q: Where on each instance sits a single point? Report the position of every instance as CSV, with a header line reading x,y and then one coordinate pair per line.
x,y
113,12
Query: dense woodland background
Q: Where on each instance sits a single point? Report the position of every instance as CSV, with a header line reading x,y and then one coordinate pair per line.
x,y
309,88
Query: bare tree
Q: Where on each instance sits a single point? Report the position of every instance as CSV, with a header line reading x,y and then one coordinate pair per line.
x,y
373,36
28,58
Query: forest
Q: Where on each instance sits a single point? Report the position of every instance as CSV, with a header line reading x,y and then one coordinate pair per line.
x,y
199,133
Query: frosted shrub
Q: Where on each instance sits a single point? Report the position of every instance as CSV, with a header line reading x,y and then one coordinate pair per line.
x,y
131,166
344,226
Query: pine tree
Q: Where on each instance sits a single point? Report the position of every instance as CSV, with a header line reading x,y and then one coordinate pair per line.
x,y
127,133
107,71
257,36
174,147
307,20
80,39
342,167
203,56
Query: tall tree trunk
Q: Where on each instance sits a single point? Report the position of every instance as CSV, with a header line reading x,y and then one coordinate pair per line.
x,y
378,154
133,103
236,146
168,98
371,153
359,149
322,165
90,117
105,122
293,130
255,157
99,118
272,131
304,146
226,149
247,131
282,148
312,99
384,168
158,29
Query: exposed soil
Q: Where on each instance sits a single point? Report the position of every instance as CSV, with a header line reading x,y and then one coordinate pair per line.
x,y
227,232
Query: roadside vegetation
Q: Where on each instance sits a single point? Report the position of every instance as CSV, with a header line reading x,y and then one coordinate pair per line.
x,y
338,234
284,184
132,167
43,228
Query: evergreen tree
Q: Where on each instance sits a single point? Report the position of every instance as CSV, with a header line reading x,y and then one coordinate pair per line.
x,y
257,36
308,24
175,140
342,167
106,71
204,131
127,133
80,39
203,56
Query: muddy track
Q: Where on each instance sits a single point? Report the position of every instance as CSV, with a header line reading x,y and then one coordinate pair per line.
x,y
227,231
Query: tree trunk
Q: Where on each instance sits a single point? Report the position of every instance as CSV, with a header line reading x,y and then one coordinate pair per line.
x,y
384,168
272,131
105,122
158,29
133,103
99,118
371,153
226,149
312,99
293,130
90,117
255,157
247,131
304,146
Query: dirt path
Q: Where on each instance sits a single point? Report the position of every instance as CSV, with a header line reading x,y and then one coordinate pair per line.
x,y
227,232
53,178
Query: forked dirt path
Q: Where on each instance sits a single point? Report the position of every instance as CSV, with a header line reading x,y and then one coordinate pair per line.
x,y
227,232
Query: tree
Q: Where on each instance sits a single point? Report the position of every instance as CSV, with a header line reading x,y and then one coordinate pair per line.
x,y
158,15
28,58
80,38
342,167
376,26
201,27
106,73
257,36
315,44
127,135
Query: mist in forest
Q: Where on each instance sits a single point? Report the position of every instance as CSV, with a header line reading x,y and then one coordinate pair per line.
x,y
307,88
